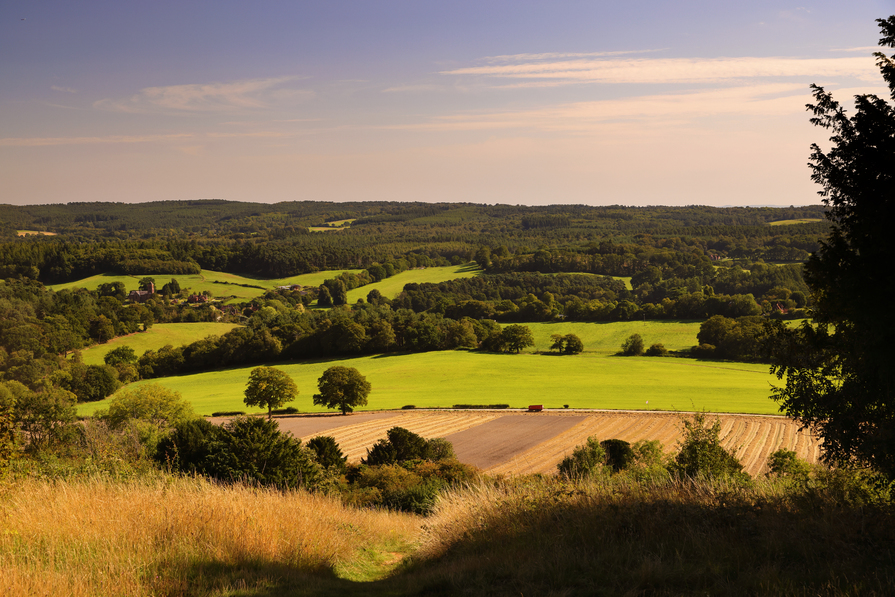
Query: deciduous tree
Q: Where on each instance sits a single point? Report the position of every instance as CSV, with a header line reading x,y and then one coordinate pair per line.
x,y
343,388
269,387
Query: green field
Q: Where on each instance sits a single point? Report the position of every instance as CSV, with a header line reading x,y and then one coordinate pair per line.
x,y
159,335
799,221
433,379
206,280
392,287
607,337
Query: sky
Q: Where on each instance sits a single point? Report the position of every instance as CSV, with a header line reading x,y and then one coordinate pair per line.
x,y
643,102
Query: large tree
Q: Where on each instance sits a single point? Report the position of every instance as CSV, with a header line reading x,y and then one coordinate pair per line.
x,y
840,377
342,388
269,387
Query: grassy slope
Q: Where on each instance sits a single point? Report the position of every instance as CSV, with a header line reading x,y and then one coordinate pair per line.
x,y
175,334
391,287
206,281
590,380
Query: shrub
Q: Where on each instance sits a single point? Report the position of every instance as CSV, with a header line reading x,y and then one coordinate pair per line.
x,y
656,350
327,452
187,447
247,449
701,452
402,445
585,461
785,464
633,346
439,448
703,351
619,454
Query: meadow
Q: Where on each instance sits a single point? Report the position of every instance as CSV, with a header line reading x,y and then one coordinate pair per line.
x,y
392,287
161,535
159,335
442,379
218,284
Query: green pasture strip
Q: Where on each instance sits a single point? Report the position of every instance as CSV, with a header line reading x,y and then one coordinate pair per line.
x,y
607,337
205,280
626,280
159,335
798,221
392,287
442,379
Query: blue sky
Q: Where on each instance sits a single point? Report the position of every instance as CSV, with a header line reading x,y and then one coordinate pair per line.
x,y
636,103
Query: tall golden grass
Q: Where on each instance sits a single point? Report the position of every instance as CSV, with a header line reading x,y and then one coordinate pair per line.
x,y
182,536
618,536
167,536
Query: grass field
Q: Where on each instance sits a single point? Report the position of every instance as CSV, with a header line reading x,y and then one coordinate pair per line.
x,y
159,335
608,337
208,280
799,221
38,232
392,287
434,379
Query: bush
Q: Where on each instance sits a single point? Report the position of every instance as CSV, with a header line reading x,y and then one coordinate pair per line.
x,y
402,445
439,448
327,453
701,452
633,346
619,454
656,350
703,351
785,464
247,449
187,447
585,461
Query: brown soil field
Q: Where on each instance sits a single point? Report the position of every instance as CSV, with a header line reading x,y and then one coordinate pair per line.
x,y
519,443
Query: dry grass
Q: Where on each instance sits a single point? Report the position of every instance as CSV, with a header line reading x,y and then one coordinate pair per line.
x,y
619,537
185,537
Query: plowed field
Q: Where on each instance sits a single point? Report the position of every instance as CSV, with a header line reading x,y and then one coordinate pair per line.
x,y
519,443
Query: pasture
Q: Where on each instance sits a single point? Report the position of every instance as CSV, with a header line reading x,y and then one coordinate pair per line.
x,y
442,379
798,221
218,284
392,287
159,335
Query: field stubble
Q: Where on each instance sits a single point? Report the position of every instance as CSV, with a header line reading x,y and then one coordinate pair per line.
x,y
751,437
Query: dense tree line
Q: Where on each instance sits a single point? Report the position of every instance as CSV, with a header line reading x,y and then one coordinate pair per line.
x,y
273,241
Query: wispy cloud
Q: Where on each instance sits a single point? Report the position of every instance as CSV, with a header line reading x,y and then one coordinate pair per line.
x,y
209,97
868,49
63,89
49,141
674,70
414,88
557,55
656,110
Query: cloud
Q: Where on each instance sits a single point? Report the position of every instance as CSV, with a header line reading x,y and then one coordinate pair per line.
x,y
675,70
65,89
869,49
555,55
209,97
663,110
50,141
413,88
